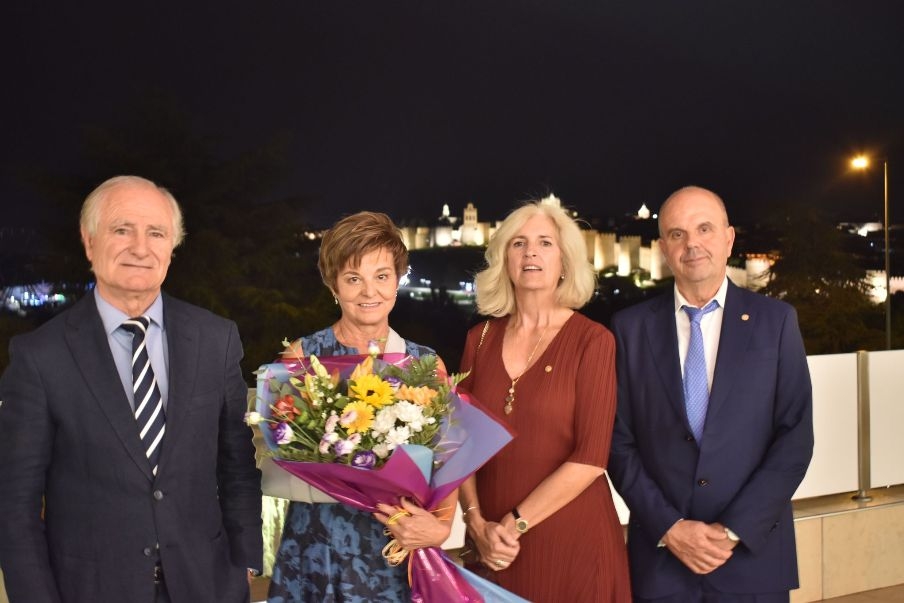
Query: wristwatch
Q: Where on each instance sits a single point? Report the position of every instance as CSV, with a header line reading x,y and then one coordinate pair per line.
x,y
732,536
520,523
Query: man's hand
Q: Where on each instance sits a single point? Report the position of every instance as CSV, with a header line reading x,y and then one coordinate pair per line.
x,y
728,544
701,547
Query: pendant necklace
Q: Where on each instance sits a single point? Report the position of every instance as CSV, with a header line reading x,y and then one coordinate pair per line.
x,y
510,398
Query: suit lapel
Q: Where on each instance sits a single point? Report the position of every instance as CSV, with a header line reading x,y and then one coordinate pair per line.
x,y
87,340
738,321
183,343
662,338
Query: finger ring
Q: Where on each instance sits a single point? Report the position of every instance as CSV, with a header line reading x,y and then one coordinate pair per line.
x,y
392,520
499,563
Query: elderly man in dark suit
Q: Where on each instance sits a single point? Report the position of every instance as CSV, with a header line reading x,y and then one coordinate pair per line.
x,y
125,414
714,428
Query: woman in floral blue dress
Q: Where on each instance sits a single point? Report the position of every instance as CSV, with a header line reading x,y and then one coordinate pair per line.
x,y
330,552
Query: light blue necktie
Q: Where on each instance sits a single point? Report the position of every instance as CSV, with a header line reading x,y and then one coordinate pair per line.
x,y
696,382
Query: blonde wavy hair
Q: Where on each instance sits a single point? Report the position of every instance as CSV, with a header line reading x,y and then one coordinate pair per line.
x,y
495,291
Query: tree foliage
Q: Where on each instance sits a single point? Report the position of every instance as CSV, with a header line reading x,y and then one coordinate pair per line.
x,y
245,256
825,283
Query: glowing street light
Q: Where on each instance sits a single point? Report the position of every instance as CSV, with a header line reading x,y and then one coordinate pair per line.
x,y
861,162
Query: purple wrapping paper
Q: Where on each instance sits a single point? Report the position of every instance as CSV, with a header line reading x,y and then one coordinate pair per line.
x,y
467,441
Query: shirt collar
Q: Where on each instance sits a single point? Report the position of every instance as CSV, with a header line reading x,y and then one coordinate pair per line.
x,y
680,300
113,317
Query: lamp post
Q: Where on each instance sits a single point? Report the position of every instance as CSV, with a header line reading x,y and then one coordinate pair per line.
x,y
861,162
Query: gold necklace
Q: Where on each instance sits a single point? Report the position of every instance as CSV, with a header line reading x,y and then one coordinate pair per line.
x,y
510,398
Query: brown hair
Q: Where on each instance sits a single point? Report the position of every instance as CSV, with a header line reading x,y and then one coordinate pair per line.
x,y
356,235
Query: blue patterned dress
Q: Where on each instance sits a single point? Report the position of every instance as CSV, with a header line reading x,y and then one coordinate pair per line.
x,y
330,552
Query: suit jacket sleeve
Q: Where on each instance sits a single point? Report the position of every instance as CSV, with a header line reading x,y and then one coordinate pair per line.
x,y
26,442
754,511
643,496
238,478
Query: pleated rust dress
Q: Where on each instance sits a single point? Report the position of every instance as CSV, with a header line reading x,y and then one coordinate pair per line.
x,y
563,411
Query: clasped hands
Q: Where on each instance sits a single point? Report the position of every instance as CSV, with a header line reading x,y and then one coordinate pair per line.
x,y
497,543
412,526
702,547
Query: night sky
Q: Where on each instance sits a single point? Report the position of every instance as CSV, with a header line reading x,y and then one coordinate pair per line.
x,y
404,106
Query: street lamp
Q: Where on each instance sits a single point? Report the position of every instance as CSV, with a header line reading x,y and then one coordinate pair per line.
x,y
861,162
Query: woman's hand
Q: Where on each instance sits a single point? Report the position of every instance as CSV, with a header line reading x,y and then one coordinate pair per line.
x,y
412,526
497,546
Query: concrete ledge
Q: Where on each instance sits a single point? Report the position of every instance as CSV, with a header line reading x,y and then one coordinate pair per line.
x,y
846,546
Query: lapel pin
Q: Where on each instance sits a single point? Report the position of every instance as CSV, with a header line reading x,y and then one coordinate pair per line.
x,y
745,316
548,368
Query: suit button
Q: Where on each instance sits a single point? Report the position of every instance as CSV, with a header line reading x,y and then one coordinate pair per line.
x,y
158,495
147,551
688,438
702,482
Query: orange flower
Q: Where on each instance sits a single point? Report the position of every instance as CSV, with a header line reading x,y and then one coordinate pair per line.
x,y
365,368
422,396
284,409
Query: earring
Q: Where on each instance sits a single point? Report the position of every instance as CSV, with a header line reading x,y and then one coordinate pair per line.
x,y
562,277
336,300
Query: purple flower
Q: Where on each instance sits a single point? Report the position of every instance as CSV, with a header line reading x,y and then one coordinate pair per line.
x,y
283,434
344,447
394,382
327,441
364,459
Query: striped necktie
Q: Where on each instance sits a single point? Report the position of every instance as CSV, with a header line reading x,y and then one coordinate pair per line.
x,y
148,403
696,379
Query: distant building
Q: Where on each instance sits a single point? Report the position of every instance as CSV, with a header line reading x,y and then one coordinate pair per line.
x,y
631,249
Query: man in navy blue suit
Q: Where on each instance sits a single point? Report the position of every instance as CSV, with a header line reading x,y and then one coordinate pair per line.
x,y
709,486
127,517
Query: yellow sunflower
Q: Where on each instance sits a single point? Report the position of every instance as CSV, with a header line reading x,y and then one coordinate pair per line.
x,y
357,417
372,390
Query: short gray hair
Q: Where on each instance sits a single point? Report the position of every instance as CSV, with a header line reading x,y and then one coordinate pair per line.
x,y
90,214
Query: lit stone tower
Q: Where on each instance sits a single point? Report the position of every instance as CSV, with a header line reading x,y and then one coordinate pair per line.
x,y
472,233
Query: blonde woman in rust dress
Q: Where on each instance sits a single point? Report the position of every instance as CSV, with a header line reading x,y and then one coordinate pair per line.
x,y
540,513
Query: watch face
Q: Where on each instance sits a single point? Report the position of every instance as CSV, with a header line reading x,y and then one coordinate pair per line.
x,y
521,525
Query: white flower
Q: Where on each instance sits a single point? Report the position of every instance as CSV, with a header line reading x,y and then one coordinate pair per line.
x,y
381,450
410,413
253,418
397,436
373,347
384,420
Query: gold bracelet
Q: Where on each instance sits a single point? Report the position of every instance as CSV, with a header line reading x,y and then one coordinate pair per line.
x,y
464,514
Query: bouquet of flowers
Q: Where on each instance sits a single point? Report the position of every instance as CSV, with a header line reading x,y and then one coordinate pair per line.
x,y
373,429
